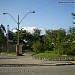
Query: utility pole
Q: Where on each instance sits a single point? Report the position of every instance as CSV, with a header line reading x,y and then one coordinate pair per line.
x,y
18,23
17,47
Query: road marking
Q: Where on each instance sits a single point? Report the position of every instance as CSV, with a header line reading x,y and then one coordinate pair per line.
x,y
17,71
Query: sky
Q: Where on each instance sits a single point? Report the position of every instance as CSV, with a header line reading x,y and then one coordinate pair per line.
x,y
49,14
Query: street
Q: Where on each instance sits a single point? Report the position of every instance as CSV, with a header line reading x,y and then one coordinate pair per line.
x,y
38,70
26,65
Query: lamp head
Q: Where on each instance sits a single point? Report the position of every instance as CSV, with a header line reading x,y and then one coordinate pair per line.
x,y
4,13
33,12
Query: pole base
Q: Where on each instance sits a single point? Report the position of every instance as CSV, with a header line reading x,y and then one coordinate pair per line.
x,y
17,49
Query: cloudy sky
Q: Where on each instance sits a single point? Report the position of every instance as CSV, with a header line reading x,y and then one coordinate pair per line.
x,y
49,14
29,29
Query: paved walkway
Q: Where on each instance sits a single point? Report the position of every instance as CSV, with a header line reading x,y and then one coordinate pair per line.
x,y
27,59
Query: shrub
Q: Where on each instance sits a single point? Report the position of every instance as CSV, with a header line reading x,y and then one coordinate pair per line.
x,y
37,46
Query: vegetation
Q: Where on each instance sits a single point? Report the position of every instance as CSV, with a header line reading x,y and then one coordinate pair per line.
x,y
57,41
37,46
8,53
53,56
2,37
60,41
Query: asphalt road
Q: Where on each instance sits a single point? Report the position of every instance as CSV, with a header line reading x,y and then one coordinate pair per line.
x,y
38,70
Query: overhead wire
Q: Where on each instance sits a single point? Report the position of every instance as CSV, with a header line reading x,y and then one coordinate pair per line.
x,y
28,7
37,5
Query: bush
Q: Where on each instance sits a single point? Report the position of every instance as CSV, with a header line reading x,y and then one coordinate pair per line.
x,y
47,51
51,52
37,46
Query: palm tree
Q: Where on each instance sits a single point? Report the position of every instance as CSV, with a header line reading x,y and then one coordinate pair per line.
x,y
2,36
2,28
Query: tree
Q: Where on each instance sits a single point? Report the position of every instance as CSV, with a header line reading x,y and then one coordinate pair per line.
x,y
70,40
73,14
25,38
36,34
71,31
2,36
2,28
53,39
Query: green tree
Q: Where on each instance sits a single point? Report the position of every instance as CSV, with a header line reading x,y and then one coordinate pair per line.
x,y
53,39
70,39
25,38
73,14
2,36
36,34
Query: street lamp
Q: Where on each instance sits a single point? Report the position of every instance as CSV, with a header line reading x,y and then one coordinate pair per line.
x,y
18,22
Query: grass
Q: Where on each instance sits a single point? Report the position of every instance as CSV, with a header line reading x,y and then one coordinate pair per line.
x,y
52,56
9,53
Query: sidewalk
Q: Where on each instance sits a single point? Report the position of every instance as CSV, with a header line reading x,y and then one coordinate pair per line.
x,y
28,60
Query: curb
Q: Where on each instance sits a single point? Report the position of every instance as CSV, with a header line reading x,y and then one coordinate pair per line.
x,y
27,65
60,59
73,62
58,64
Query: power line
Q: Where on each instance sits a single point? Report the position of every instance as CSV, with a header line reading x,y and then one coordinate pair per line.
x,y
37,5
29,6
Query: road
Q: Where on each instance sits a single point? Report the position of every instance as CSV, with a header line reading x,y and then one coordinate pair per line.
x,y
38,70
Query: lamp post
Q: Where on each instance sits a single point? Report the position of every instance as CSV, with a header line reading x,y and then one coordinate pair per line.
x,y
18,23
